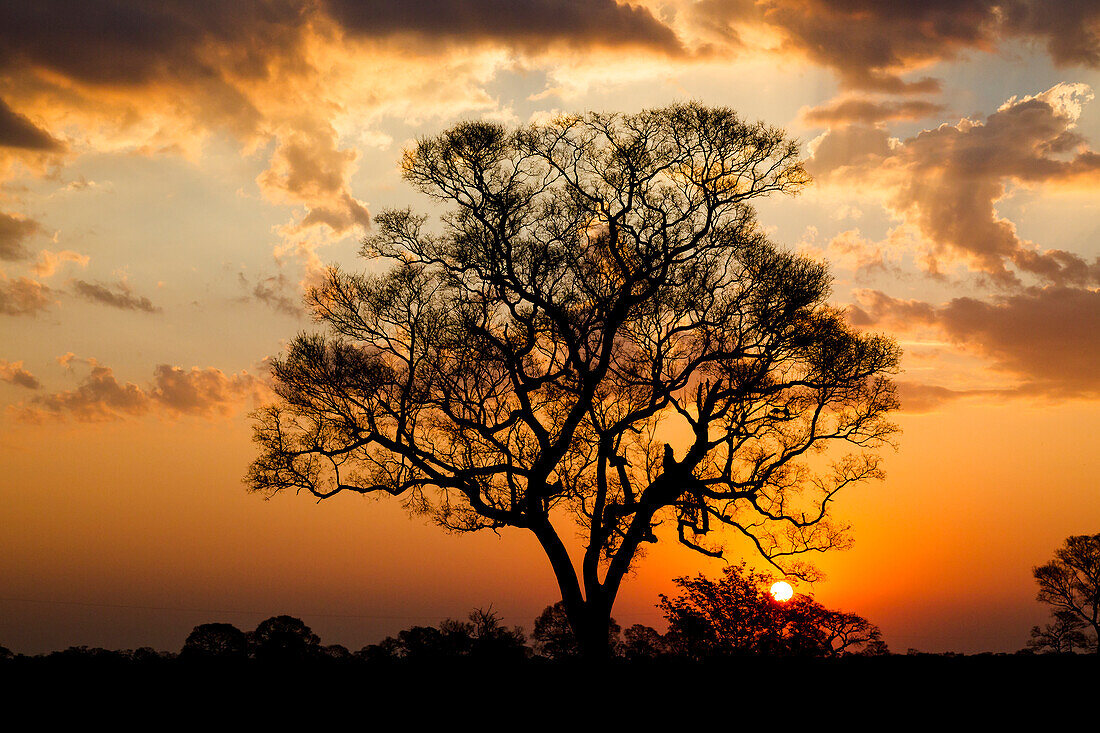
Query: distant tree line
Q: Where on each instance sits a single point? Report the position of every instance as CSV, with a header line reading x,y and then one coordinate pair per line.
x,y
708,619
731,617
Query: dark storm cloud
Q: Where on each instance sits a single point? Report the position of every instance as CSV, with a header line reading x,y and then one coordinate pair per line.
x,y
13,231
1049,338
16,131
120,295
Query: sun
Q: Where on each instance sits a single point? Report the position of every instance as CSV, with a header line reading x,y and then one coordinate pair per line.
x,y
782,591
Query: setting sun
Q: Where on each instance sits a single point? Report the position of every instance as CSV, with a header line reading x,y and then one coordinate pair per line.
x,y
782,591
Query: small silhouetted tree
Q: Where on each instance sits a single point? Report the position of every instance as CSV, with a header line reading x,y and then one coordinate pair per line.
x,y
492,641
815,630
147,655
597,331
428,643
1064,635
284,639
736,615
386,651
335,652
217,640
643,642
482,637
1071,583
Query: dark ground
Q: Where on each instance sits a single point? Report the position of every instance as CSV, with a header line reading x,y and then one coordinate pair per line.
x,y
165,692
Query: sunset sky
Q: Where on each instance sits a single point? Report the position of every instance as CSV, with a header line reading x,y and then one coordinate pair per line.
x,y
173,174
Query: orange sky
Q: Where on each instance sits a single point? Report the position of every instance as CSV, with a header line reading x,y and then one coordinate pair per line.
x,y
171,177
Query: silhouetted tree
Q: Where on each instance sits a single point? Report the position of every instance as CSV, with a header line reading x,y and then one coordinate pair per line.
x,y
816,630
1065,635
337,652
737,616
1071,583
6,654
492,641
733,615
387,650
427,643
599,330
481,638
555,639
283,639
222,641
87,655
146,655
643,642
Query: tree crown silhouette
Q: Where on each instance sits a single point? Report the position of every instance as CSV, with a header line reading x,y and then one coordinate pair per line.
x,y
735,615
597,330
1070,583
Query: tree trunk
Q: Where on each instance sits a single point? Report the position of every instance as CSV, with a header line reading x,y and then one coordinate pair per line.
x,y
592,623
592,629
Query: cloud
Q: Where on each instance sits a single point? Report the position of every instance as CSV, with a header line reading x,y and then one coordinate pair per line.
x,y
1049,335
276,291
867,111
120,295
14,373
854,151
23,296
243,65
308,168
526,24
16,131
947,181
132,42
917,398
209,48
49,262
173,391
872,44
1048,339
865,258
306,75
202,391
1071,28
14,229
874,309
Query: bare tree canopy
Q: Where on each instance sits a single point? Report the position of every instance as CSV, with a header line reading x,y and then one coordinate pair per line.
x,y
1070,583
599,331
